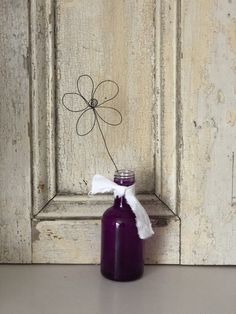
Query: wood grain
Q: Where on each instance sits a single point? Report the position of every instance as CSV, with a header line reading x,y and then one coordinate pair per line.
x,y
15,193
208,79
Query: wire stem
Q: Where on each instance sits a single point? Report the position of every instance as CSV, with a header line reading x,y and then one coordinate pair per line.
x,y
104,140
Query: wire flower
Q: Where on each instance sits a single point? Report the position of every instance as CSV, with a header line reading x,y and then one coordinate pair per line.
x,y
90,101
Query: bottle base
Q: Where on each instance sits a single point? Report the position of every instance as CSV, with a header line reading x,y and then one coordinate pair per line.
x,y
121,278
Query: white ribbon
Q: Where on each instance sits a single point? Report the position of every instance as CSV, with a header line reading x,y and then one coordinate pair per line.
x,y
101,184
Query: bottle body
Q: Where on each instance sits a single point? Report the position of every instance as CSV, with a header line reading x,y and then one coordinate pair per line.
x,y
121,247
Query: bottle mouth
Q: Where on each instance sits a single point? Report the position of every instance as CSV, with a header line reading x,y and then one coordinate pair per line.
x,y
124,174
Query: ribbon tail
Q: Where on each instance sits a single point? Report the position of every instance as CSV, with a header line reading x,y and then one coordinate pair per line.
x,y
143,222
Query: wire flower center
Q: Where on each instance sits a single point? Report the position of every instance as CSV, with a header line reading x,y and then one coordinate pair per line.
x,y
93,103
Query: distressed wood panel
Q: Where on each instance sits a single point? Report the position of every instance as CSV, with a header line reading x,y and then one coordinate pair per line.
x,y
43,101
208,80
15,197
126,54
166,90
163,247
108,40
71,206
78,242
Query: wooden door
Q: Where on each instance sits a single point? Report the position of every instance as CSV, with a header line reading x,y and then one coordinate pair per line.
x,y
177,133
107,40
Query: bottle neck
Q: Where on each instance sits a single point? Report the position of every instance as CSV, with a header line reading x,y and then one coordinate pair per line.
x,y
120,202
124,178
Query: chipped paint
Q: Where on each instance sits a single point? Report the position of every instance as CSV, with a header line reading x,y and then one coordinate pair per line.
x,y
15,197
231,118
78,242
208,100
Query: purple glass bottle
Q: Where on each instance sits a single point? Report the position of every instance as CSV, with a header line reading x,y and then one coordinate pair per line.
x,y
121,247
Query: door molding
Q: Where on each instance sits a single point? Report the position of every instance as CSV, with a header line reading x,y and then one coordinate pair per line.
x,y
52,211
43,26
42,102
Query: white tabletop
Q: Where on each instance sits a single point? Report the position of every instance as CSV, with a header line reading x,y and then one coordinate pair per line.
x,y
78,289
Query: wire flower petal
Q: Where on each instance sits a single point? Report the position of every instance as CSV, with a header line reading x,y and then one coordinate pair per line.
x,y
109,115
85,86
73,102
86,122
92,100
106,91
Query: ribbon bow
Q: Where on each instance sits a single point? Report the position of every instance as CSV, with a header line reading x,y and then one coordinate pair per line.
x,y
101,184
